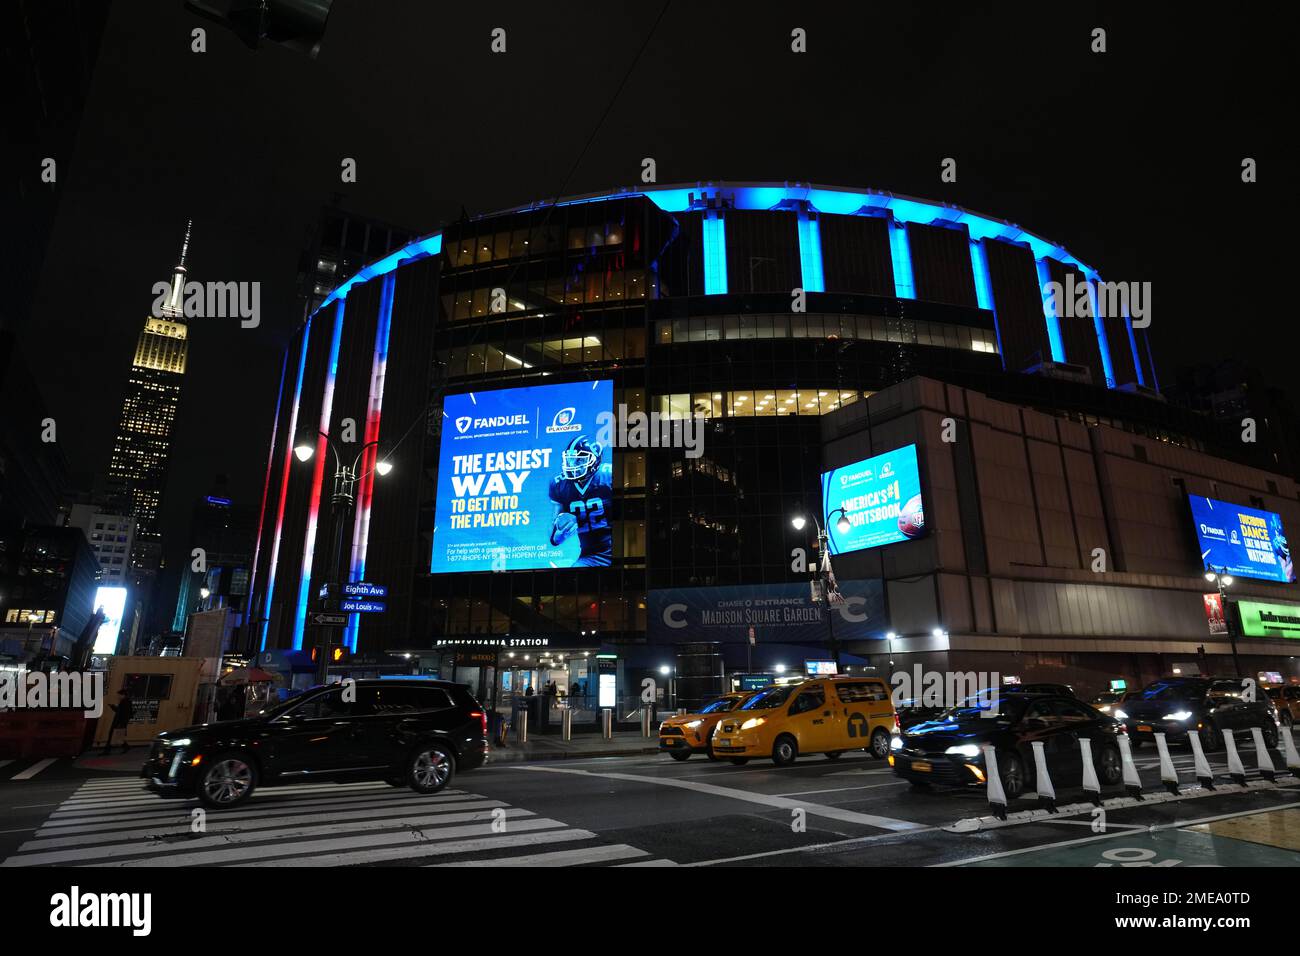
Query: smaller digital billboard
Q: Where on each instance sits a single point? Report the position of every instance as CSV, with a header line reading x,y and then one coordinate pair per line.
x,y
112,601
820,668
873,502
1241,541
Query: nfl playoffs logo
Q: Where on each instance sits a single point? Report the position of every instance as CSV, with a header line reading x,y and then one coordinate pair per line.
x,y
462,424
563,421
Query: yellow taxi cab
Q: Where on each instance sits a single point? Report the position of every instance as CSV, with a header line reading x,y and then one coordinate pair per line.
x,y
687,734
826,715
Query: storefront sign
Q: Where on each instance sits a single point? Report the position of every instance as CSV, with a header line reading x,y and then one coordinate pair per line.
x,y
1269,620
511,642
776,613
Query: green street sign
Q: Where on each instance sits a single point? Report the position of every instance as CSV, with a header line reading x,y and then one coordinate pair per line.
x,y
1269,620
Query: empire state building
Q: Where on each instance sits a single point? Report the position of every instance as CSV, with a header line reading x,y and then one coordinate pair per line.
x,y
137,472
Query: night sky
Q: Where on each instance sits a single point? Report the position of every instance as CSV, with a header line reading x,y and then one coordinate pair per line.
x,y
1131,159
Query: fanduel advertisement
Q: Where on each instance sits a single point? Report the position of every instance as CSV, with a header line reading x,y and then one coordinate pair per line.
x,y
1243,541
778,613
880,498
523,481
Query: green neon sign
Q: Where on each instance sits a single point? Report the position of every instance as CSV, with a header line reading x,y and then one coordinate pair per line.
x,y
1269,620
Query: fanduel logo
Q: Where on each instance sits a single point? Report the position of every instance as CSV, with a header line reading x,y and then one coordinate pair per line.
x,y
462,424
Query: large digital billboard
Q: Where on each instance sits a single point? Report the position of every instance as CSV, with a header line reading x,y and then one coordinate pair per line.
x,y
879,499
525,480
112,601
1243,541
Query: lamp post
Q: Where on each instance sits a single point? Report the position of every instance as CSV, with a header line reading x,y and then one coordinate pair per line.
x,y
1223,580
342,500
799,522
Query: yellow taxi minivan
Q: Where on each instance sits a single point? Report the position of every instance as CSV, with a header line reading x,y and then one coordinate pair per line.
x,y
687,734
827,715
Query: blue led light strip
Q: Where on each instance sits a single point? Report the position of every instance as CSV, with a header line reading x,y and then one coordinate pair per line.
x,y
810,253
900,253
1049,314
715,253
979,264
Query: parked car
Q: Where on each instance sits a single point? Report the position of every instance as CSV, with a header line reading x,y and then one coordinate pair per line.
x,y
1287,701
687,734
1207,706
827,715
950,751
410,733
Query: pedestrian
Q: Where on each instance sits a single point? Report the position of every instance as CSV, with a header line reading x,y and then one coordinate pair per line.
x,y
121,718
528,691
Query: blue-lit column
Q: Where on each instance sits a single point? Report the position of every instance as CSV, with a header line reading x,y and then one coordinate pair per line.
x,y
900,253
1049,312
1132,343
715,253
1099,323
979,267
810,253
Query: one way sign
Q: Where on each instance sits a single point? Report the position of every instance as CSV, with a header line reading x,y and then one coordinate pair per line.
x,y
330,620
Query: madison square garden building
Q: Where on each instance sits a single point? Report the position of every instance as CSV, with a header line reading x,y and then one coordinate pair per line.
x,y
1016,494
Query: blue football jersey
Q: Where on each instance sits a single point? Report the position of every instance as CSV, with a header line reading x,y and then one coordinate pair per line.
x,y
589,503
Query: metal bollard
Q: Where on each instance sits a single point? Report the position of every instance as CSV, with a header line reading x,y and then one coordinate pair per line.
x,y
607,724
566,724
521,727
647,720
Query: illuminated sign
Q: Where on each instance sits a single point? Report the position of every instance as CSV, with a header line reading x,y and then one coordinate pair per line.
x,y
525,479
1243,541
112,601
820,668
873,502
1269,620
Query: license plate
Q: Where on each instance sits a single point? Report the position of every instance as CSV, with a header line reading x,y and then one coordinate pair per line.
x,y
1144,728
922,766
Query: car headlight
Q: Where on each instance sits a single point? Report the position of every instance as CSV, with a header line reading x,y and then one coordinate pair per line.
x,y
180,742
1119,714
964,750
694,723
753,722
1178,715
895,743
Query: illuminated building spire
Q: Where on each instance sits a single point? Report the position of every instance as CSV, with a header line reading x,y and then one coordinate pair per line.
x,y
174,307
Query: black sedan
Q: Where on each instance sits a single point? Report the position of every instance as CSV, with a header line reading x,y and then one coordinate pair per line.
x,y
949,749
411,733
1207,706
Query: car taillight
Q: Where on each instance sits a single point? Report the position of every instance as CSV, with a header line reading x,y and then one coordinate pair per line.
x,y
482,716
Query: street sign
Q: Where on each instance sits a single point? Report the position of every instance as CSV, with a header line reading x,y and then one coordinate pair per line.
x,y
330,620
363,589
365,607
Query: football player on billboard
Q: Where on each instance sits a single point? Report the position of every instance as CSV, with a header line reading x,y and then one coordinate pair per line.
x,y
583,492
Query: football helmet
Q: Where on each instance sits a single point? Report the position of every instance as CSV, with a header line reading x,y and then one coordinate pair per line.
x,y
581,458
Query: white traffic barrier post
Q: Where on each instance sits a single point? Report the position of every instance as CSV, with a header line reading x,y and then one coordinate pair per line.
x,y
1288,748
1235,770
1262,759
1168,775
1090,784
1204,775
997,796
1041,779
1132,782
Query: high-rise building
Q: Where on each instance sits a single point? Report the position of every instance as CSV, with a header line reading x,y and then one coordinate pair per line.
x,y
138,469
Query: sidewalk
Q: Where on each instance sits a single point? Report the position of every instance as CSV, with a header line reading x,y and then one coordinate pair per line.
x,y
539,747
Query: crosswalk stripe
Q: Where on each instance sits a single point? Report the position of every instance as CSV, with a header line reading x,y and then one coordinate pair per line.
x,y
395,846
592,854
26,857
387,855
34,769
270,795
649,863
271,799
247,826
182,814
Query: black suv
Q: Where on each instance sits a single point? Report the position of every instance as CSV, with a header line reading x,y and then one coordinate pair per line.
x,y
1208,706
415,733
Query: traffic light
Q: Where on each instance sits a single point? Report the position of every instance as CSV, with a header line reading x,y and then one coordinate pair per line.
x,y
339,654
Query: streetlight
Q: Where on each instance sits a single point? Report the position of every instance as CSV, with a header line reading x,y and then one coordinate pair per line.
x,y
799,522
344,496
1223,580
